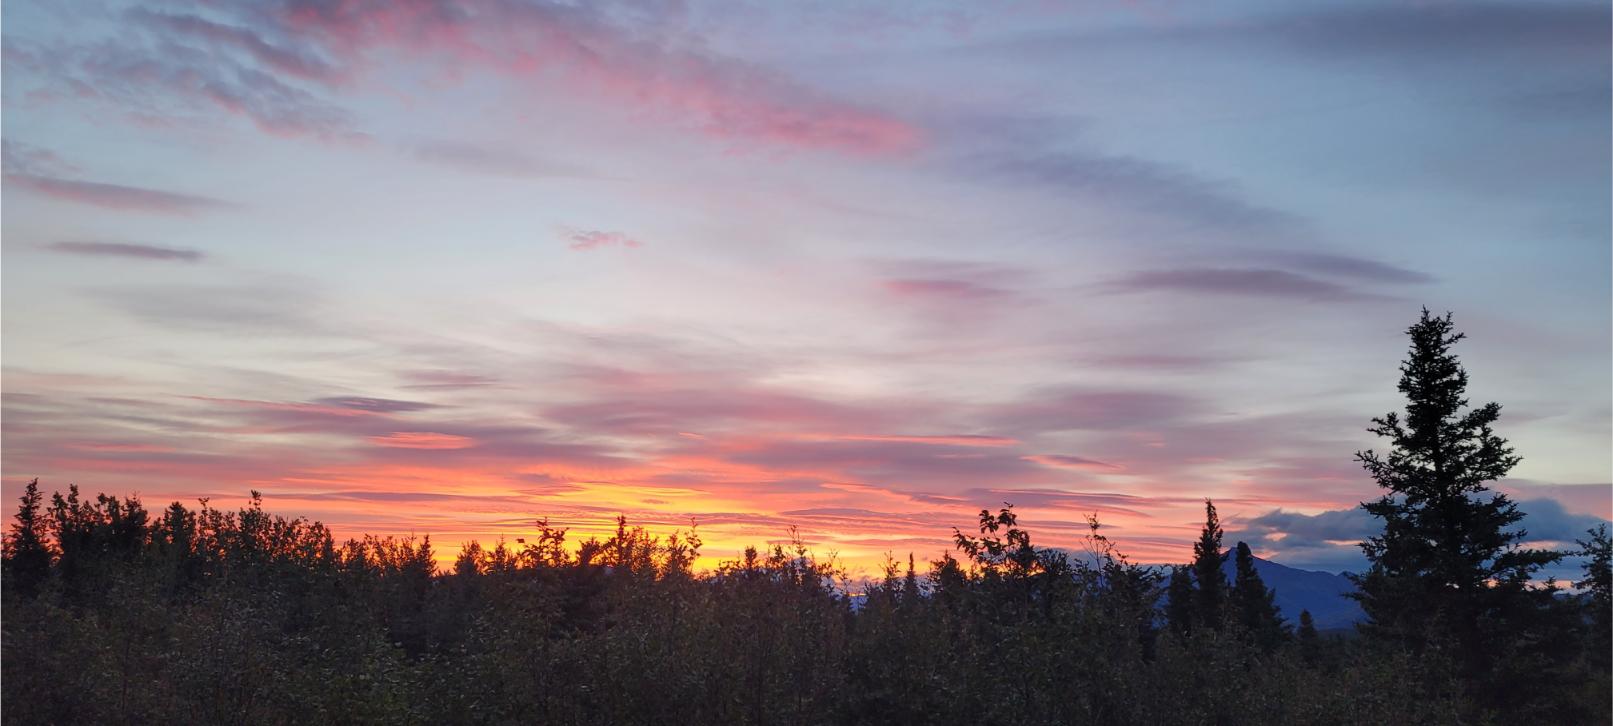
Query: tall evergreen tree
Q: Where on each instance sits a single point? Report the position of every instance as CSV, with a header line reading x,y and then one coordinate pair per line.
x,y
912,596
27,549
1309,644
1598,585
1448,569
1253,604
1211,581
1179,600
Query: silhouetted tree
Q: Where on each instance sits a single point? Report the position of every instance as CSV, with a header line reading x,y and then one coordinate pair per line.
x,y
277,624
1009,554
1179,606
1597,550
173,538
28,554
1253,603
1310,645
1211,582
912,595
1448,572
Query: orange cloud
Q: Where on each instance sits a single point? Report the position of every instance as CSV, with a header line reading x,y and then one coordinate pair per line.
x,y
422,440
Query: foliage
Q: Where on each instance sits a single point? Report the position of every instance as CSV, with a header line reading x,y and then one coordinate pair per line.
x,y
1210,583
1449,578
207,616
198,615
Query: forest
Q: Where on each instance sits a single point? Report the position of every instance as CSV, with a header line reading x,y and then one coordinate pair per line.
x,y
116,614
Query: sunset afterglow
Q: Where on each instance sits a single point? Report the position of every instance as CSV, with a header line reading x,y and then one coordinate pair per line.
x,y
446,269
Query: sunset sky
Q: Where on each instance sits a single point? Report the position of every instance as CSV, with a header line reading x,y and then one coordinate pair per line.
x,y
859,269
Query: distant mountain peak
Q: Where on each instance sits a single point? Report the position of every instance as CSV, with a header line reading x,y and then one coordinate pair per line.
x,y
1324,594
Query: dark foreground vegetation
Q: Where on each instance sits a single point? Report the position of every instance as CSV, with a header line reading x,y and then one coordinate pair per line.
x,y
113,614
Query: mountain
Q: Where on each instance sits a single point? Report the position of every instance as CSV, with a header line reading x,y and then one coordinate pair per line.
x,y
1322,593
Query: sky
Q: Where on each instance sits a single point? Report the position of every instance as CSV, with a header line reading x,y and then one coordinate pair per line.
x,y
852,270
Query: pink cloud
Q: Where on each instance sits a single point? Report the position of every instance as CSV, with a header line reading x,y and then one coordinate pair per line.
x,y
281,59
1061,461
588,239
950,440
121,448
422,440
276,64
582,47
956,289
113,196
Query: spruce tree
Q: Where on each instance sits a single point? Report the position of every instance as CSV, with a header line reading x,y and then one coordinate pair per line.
x,y
1253,604
27,550
1598,595
1179,600
1309,645
1448,571
1212,582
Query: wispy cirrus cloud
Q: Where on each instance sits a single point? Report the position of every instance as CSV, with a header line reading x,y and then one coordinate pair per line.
x,y
1072,409
126,250
19,157
1064,461
1249,282
246,307
485,159
41,171
285,57
160,81
422,440
1358,268
944,440
276,63
1437,29
1153,195
114,196
583,240
942,288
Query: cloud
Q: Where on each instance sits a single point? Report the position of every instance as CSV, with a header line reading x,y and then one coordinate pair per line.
x,y
1547,521
1067,409
42,171
949,440
1162,361
588,239
1062,461
122,249
18,157
951,289
422,440
265,61
300,63
1153,194
1248,282
446,379
1331,538
1594,499
373,405
1397,31
947,294
707,408
1432,29
1351,267
892,463
485,160
114,196
596,52
1294,529
154,81
240,308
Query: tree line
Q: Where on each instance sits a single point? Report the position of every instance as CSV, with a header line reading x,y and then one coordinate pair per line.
x,y
116,614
